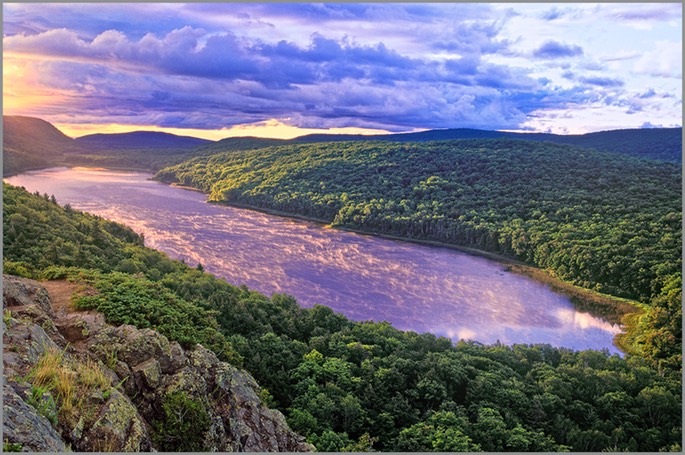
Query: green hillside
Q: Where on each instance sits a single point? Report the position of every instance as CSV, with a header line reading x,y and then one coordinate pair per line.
x,y
602,221
348,385
663,144
32,143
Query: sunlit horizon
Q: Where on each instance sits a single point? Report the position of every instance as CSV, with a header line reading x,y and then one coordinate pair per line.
x,y
271,129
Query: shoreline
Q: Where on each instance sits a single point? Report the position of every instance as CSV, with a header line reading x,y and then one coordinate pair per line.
x,y
472,251
615,310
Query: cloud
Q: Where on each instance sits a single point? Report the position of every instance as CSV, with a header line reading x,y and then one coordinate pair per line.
x,y
391,66
648,94
654,63
601,81
553,49
472,37
555,13
646,12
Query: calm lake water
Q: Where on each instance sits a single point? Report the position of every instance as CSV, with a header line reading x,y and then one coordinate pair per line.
x,y
414,287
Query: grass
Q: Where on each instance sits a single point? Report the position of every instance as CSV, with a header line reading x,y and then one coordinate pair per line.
x,y
45,371
42,400
7,317
71,381
112,358
65,387
91,375
11,446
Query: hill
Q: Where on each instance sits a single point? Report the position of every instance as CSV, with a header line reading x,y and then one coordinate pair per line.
x,y
346,386
600,220
664,144
32,143
232,144
138,140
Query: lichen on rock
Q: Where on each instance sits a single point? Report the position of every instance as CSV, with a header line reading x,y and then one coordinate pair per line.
x,y
142,369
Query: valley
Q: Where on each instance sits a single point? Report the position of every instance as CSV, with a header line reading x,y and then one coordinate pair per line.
x,y
600,226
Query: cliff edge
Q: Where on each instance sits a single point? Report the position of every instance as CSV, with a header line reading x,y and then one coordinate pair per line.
x,y
73,382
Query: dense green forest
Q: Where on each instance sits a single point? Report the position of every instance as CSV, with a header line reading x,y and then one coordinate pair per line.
x,y
349,385
606,222
664,144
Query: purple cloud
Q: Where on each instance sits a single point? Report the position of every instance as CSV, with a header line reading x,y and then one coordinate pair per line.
x,y
554,49
648,13
601,81
392,66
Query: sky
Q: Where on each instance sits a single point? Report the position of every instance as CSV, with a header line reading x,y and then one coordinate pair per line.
x,y
216,70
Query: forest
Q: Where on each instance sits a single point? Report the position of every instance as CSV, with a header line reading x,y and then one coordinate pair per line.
x,y
601,221
351,386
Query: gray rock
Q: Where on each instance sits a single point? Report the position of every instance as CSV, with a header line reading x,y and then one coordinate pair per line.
x,y
256,427
147,374
22,291
24,343
23,425
148,367
119,428
74,328
174,360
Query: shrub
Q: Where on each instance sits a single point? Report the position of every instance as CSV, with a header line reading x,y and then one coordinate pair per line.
x,y
183,424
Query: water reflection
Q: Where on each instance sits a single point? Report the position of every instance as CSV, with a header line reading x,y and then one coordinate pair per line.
x,y
421,288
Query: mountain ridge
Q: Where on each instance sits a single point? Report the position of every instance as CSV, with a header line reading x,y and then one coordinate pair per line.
x,y
139,139
33,143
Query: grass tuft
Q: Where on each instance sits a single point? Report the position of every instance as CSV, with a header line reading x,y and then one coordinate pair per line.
x,y
71,381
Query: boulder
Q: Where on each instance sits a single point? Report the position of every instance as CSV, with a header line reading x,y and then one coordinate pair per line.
x,y
22,424
144,368
118,428
22,291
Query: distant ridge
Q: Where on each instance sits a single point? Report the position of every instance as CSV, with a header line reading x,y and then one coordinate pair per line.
x,y
664,144
139,140
32,143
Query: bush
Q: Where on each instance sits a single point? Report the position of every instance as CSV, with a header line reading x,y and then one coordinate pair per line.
x,y
18,268
183,425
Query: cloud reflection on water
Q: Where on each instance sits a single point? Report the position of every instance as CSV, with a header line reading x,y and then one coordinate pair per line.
x,y
420,288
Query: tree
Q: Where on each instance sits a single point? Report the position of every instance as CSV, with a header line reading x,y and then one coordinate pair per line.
x,y
441,432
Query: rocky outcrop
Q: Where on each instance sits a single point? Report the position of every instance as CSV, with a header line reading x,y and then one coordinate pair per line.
x,y
142,369
22,424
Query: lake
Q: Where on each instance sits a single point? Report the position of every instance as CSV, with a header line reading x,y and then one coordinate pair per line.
x,y
414,287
